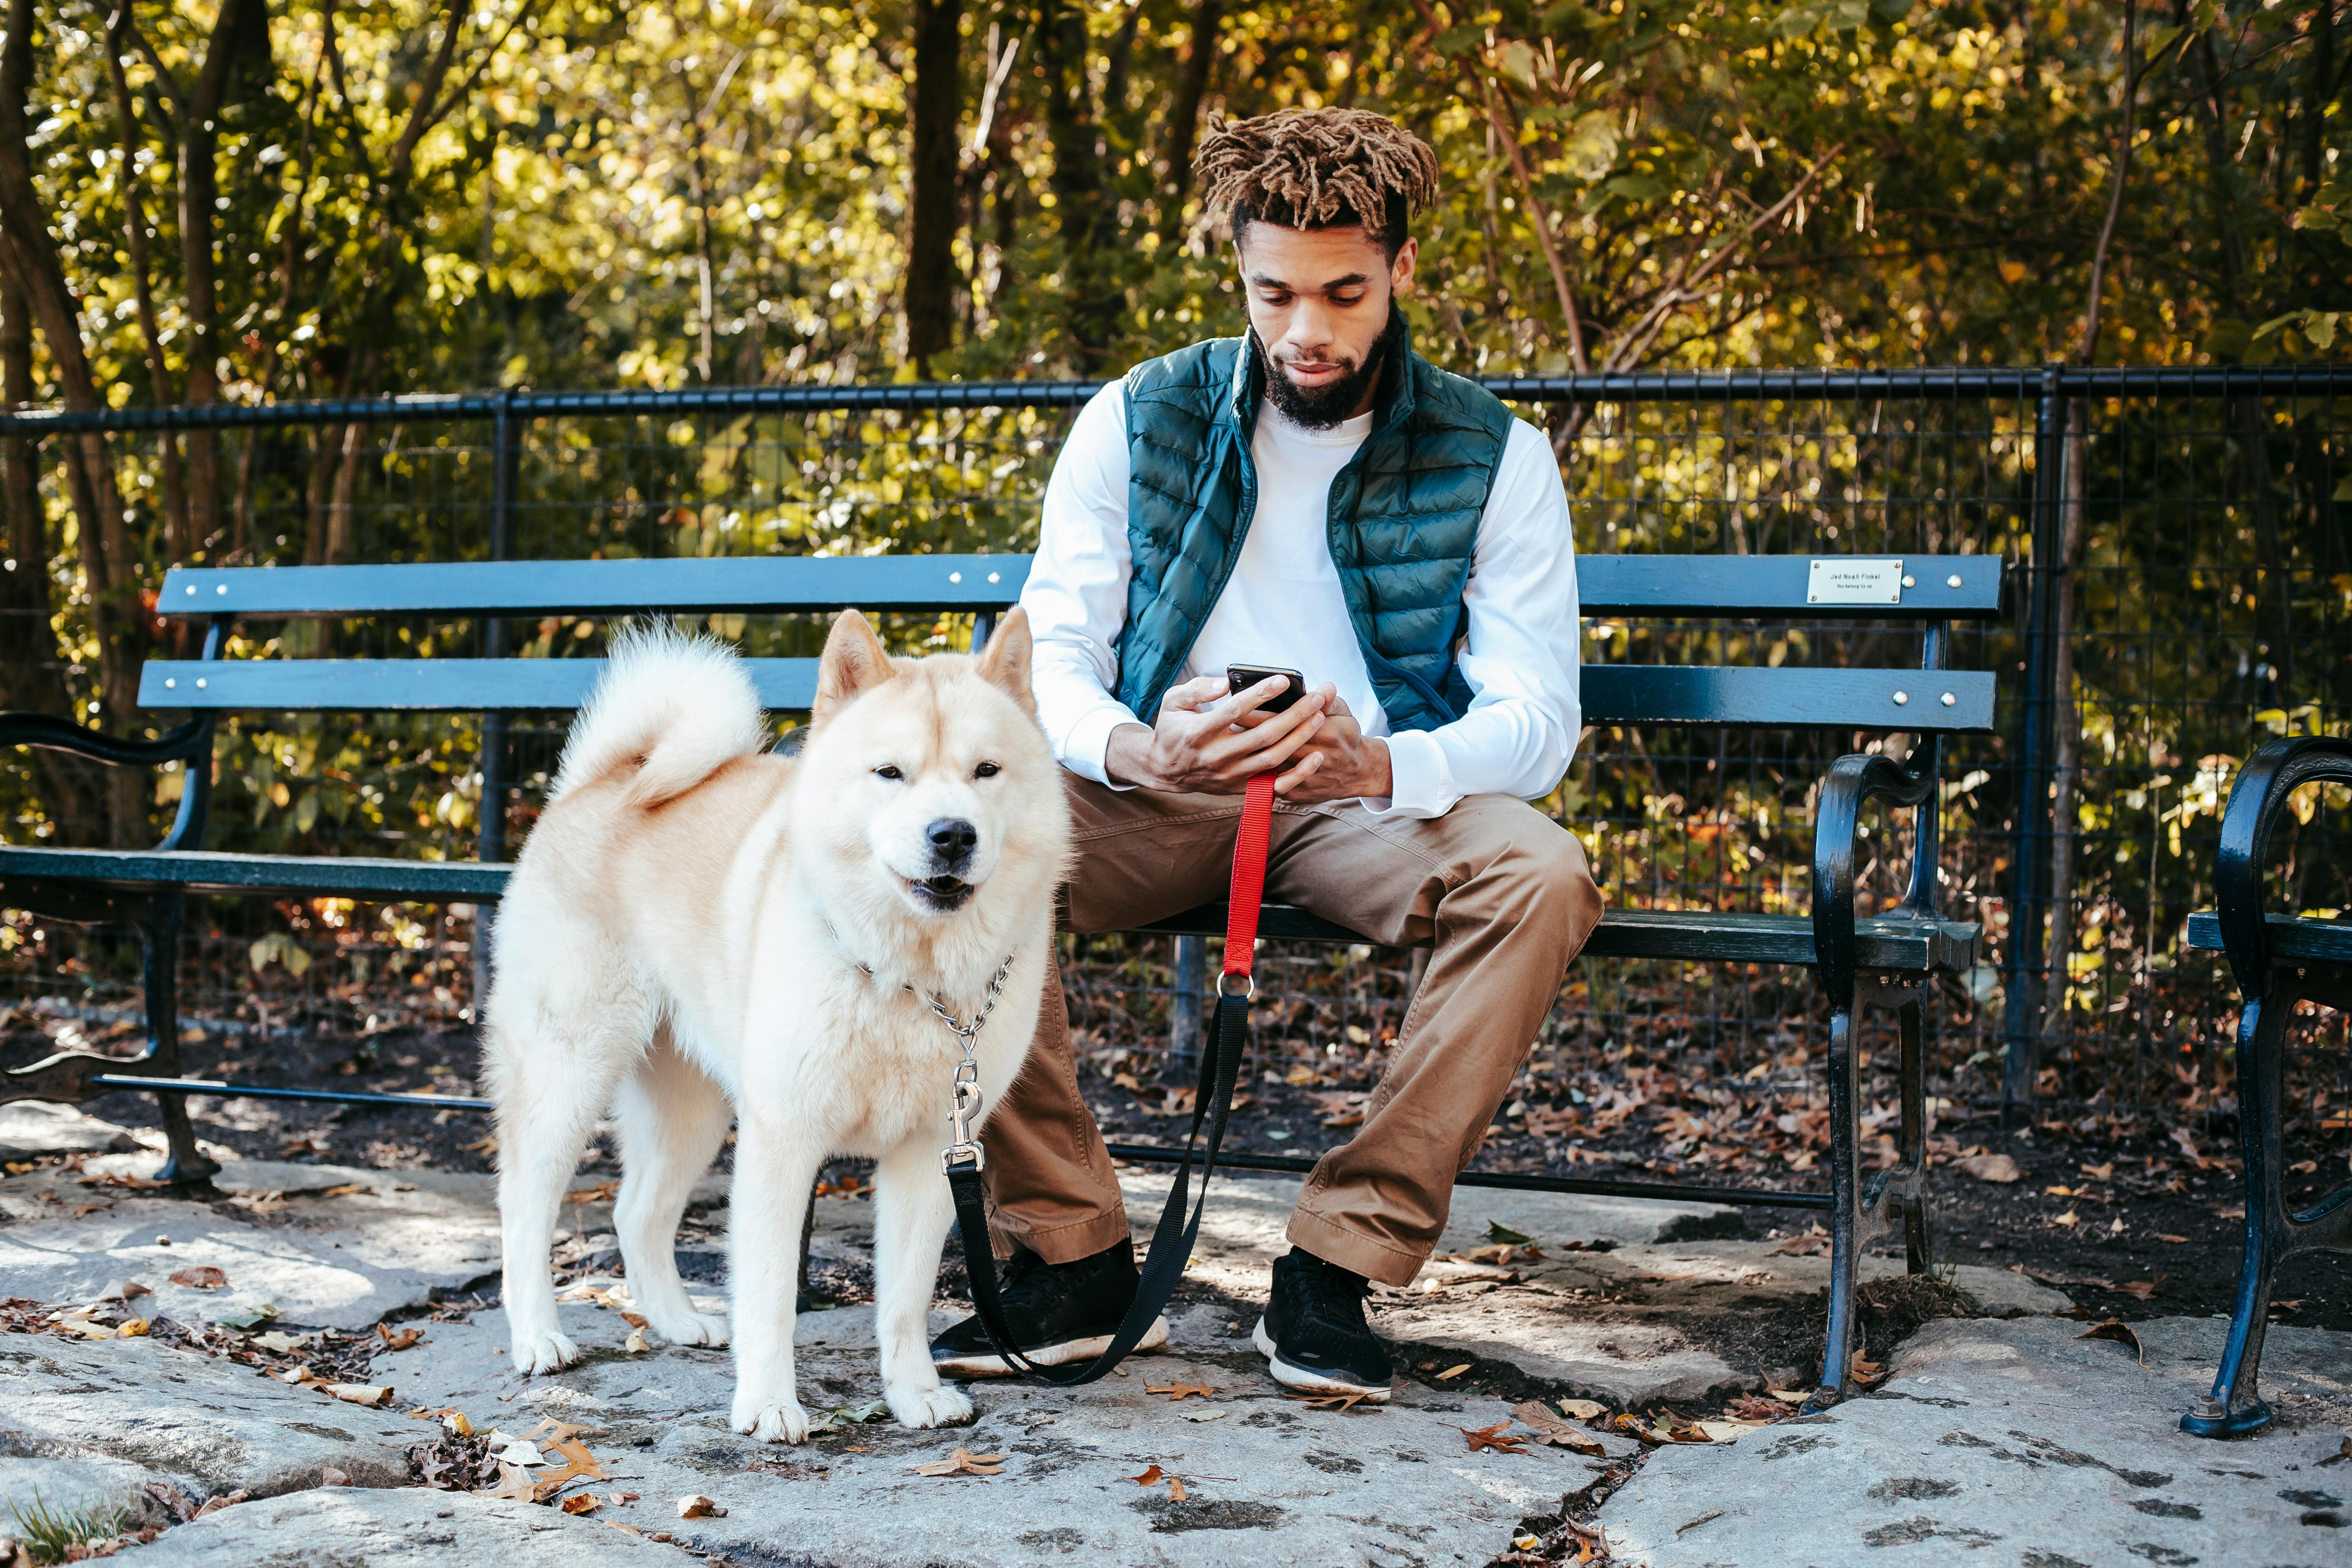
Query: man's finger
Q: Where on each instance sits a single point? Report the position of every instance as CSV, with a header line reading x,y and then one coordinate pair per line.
x,y
1244,709
1284,783
1195,694
1247,753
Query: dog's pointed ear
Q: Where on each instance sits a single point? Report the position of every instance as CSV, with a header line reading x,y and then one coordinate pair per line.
x,y
855,661
1005,661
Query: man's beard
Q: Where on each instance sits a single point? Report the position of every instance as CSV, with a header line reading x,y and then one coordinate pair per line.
x,y
1327,406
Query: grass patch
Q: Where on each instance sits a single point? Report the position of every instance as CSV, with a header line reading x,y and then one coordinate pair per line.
x,y
48,1532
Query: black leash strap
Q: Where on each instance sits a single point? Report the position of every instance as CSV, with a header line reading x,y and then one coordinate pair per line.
x,y
1173,1239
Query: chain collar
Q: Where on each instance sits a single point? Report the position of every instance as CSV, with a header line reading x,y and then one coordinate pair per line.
x,y
967,1033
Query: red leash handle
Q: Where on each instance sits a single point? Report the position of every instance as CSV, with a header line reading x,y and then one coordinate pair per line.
x,y
1248,892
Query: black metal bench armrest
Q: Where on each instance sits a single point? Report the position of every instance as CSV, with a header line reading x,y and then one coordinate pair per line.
x,y
1853,780
192,739
2260,792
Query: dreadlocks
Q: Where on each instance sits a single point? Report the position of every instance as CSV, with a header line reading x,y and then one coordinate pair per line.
x,y
1319,168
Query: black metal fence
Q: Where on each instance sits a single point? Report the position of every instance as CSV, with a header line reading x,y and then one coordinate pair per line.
x,y
2185,594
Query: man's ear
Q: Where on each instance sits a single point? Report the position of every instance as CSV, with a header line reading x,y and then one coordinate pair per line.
x,y
1401,270
1005,661
853,661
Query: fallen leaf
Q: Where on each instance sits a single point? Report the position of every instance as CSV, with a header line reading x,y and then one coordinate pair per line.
x,y
2058,1192
2238,1212
1175,1391
123,1291
1792,1395
2100,1173
2141,1289
699,1507
359,1392
842,1416
626,1528
344,1191
133,1328
635,1344
400,1341
331,1477
260,1202
1749,1408
1494,1437
2068,1218
1454,1372
602,1192
1799,1246
280,1342
1497,1231
636,1320
2119,1331
1728,1431
963,1462
2174,1240
1150,1478
1866,1370
515,1482
1582,1409
581,1503
250,1319
202,1277
1990,1168
1549,1428
1328,1401
1175,1489
224,1499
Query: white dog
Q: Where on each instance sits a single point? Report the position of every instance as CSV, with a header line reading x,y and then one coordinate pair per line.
x,y
700,929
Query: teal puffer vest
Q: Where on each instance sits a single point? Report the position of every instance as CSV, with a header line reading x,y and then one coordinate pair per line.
x,y
1403,518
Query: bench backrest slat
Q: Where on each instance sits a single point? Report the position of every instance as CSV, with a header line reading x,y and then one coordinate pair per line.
x,y
1613,693
1633,586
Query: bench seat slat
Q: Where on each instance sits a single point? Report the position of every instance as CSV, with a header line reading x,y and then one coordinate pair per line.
x,y
1745,586
2312,942
1887,944
1695,934
1613,694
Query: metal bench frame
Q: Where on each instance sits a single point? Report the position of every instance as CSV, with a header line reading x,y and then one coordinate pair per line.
x,y
1883,962
2277,960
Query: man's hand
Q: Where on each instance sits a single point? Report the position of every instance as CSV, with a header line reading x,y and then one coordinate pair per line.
x,y
1207,743
1339,762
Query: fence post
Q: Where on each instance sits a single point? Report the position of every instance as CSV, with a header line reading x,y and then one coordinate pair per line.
x,y
1183,1062
490,834
2029,959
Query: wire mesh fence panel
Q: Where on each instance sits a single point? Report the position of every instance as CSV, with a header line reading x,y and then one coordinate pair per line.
x,y
2185,595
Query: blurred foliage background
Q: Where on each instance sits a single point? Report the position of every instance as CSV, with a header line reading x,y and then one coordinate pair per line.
x,y
254,201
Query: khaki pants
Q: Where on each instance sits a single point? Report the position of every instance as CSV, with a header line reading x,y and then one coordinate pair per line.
x,y
1502,890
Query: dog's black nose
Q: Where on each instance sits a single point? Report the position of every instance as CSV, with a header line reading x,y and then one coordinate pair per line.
x,y
952,839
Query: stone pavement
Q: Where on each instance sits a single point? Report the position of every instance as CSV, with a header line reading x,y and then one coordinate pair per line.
x,y
2008,1436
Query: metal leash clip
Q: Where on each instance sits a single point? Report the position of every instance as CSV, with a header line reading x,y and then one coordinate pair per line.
x,y
966,1150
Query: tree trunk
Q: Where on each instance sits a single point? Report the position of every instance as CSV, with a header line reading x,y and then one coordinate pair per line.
x,y
1080,208
1184,109
199,187
2066,751
931,223
32,676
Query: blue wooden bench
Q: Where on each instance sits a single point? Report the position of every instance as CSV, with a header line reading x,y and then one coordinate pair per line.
x,y
2277,959
1883,962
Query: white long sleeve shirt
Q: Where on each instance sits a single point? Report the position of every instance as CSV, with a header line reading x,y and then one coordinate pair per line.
x,y
1283,606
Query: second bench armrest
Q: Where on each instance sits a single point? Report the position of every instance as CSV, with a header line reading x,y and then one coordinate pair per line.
x,y
2259,794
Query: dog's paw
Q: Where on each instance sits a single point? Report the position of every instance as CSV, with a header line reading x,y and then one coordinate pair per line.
x,y
689,1328
780,1420
939,1406
544,1351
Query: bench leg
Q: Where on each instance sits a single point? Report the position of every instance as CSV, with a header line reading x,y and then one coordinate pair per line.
x,y
1911,1168
1845,1211
2236,1405
159,940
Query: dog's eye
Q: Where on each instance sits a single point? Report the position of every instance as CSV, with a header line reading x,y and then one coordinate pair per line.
x,y
986,770
888,771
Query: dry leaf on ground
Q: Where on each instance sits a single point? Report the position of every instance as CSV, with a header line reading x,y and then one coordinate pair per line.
x,y
345,1190
2119,1331
1864,1369
2174,1240
1798,1246
1151,1477
359,1392
1494,1437
224,1499
1329,1401
1998,1168
1549,1428
202,1277
699,1507
1582,1409
123,1291
581,1503
398,1342
1175,1391
2140,1290
1454,1372
963,1462
515,1482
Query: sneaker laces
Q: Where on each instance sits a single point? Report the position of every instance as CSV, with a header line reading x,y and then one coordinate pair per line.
x,y
1330,1297
1026,1276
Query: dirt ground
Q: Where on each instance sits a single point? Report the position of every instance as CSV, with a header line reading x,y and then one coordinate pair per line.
x,y
2133,1220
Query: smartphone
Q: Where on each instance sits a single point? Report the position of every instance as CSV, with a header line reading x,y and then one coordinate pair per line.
x,y
1241,676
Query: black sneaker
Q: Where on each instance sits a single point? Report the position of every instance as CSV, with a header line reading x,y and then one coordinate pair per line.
x,y
1057,1312
1314,1333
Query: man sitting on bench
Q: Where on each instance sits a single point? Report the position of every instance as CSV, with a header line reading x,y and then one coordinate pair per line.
x,y
1314,497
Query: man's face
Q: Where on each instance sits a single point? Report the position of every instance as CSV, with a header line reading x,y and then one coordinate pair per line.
x,y
1319,300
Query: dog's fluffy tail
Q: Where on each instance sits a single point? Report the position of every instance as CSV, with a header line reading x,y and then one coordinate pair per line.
x,y
677,708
